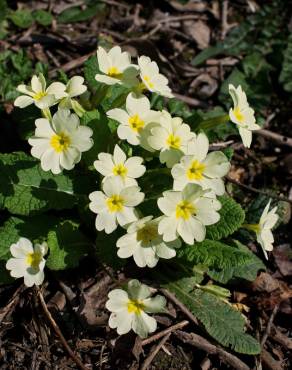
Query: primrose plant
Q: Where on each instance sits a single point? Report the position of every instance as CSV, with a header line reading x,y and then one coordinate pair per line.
x,y
157,191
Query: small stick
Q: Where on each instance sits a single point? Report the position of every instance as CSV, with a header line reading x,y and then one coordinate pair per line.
x,y
59,333
280,139
252,189
269,325
181,306
152,354
177,18
269,361
190,101
72,64
224,23
162,333
281,338
202,344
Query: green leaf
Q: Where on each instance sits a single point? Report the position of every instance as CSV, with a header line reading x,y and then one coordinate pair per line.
x,y
247,270
90,70
213,254
77,14
98,122
43,17
14,69
33,228
22,18
25,189
106,249
220,320
5,277
3,10
67,245
207,53
286,72
231,218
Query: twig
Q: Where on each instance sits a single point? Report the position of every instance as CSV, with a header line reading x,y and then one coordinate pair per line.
x,y
280,139
181,306
146,36
281,338
224,24
177,18
201,343
118,4
162,333
190,101
219,145
252,189
59,333
152,354
269,326
269,361
12,303
72,64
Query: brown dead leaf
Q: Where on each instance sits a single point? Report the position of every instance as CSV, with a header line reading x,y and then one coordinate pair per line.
x,y
137,348
272,292
199,31
203,86
283,259
57,302
8,107
236,173
265,283
91,311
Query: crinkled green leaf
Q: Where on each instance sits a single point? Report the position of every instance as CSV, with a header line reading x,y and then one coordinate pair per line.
x,y
67,245
78,14
21,18
286,72
231,218
25,189
33,228
3,10
43,17
247,270
106,249
220,320
90,70
213,254
98,122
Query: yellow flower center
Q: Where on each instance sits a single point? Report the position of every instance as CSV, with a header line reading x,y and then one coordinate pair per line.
x,y
148,81
120,170
196,170
173,141
39,95
147,234
115,203
33,259
135,306
184,210
136,123
60,142
238,115
114,72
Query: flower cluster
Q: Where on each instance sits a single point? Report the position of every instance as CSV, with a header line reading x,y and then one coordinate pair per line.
x,y
183,211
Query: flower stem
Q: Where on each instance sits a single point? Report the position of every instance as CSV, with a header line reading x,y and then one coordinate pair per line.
x,y
47,114
250,227
213,122
99,95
